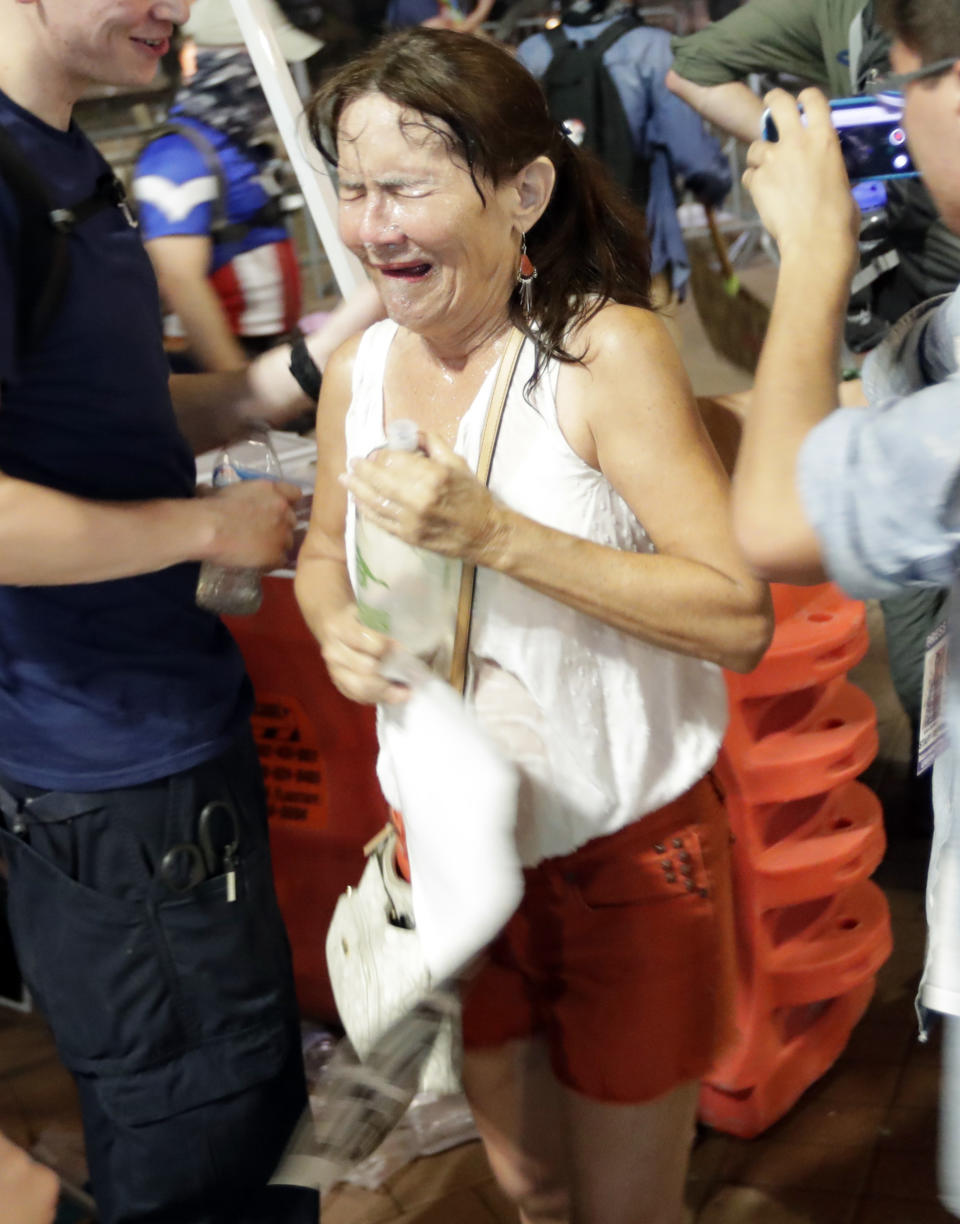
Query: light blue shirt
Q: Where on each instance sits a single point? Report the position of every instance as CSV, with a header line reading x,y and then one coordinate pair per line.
x,y
881,487
666,131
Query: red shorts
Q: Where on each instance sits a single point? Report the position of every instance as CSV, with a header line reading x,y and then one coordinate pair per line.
x,y
621,956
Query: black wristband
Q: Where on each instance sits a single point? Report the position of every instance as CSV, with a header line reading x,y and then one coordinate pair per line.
x,y
305,370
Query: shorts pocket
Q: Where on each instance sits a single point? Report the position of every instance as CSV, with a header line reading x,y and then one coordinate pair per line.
x,y
671,869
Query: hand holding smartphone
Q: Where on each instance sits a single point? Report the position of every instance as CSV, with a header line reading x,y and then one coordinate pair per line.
x,y
872,139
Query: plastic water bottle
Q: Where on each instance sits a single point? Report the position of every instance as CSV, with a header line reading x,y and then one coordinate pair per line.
x,y
408,593
226,589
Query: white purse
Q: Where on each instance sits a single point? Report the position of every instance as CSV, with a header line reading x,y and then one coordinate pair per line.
x,y
374,958
377,968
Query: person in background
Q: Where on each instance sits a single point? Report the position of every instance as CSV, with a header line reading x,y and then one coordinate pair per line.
x,y
869,498
210,204
441,14
132,814
668,135
210,210
608,592
837,45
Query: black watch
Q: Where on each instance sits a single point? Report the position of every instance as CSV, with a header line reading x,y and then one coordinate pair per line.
x,y
305,370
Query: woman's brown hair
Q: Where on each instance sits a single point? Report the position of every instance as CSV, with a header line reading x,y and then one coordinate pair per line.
x,y
590,245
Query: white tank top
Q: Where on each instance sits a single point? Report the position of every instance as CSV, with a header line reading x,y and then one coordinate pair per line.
x,y
603,727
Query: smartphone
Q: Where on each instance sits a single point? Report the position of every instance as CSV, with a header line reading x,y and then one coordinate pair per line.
x,y
872,139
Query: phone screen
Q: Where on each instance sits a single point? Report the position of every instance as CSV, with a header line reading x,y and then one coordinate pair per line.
x,y
872,139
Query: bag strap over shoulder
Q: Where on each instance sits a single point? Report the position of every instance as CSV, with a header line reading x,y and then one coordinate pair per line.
x,y
557,39
212,163
222,229
603,42
45,227
488,441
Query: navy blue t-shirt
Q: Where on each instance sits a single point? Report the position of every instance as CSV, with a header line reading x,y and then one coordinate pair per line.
x,y
112,683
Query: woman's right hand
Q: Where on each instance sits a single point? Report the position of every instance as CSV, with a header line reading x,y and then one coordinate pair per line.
x,y
353,654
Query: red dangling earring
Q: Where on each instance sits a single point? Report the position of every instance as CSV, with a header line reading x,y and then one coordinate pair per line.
x,y
526,274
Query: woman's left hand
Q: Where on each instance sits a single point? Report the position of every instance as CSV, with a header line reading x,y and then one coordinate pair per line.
x,y
430,498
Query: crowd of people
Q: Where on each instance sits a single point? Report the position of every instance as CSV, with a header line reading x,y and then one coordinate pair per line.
x,y
617,568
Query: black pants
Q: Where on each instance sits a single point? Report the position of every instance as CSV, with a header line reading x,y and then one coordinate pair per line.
x,y
175,1012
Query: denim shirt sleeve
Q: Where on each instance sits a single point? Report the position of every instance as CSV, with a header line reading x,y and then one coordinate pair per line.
x,y
695,155
919,349
535,54
881,485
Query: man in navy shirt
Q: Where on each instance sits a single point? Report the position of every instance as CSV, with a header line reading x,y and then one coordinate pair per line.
x,y
131,807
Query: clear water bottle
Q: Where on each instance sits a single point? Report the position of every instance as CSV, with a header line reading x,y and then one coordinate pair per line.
x,y
226,589
408,593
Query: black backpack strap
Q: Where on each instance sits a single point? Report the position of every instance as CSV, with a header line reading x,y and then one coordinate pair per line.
x,y
43,260
579,85
603,42
109,192
211,160
43,254
557,39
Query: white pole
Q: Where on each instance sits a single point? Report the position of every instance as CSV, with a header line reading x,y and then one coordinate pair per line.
x,y
287,108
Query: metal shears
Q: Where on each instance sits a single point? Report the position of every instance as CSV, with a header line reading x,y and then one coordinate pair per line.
x,y
215,852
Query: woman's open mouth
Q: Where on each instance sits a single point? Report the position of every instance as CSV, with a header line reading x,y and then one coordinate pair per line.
x,y
407,271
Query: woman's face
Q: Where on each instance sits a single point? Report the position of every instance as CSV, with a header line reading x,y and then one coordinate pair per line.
x,y
444,263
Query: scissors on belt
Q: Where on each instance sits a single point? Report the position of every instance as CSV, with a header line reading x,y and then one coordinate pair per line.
x,y
187,864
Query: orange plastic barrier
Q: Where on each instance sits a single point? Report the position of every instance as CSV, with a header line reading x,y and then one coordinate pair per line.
x,y
806,848
812,929
793,1046
802,742
819,634
318,752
